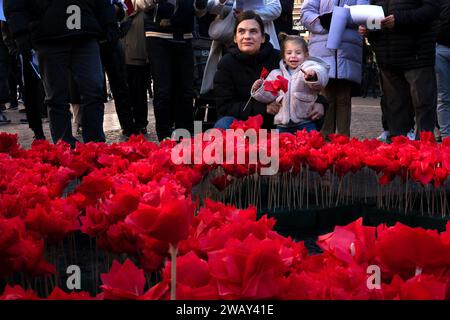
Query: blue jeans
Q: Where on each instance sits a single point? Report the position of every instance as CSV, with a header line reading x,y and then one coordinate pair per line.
x,y
224,123
309,126
81,58
443,81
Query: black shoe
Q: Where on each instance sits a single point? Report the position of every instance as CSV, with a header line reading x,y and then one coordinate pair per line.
x,y
129,132
143,131
39,137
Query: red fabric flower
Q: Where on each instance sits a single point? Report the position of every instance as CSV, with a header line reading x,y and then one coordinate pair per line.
x,y
264,73
401,249
277,85
123,281
169,222
353,242
58,294
18,293
251,269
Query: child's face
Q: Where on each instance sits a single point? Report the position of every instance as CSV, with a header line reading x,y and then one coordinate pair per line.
x,y
294,55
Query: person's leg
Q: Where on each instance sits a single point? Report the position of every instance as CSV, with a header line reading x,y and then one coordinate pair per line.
x,y
343,106
224,123
113,60
137,82
398,109
443,81
423,91
308,126
54,61
329,124
159,53
13,80
88,75
184,108
32,103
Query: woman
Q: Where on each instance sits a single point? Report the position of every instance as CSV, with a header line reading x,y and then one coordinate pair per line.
x,y
240,68
345,63
268,13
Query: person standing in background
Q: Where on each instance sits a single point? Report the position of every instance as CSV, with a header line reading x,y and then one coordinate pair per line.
x,y
169,25
443,70
405,48
63,46
345,63
136,58
284,22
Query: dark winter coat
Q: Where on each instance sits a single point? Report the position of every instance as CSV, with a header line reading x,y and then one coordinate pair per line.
x,y
443,36
47,19
411,44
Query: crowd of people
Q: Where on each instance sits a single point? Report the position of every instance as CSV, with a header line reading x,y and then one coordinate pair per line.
x,y
56,53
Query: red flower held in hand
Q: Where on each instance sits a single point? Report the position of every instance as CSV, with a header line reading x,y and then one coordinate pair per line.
x,y
123,281
275,86
264,73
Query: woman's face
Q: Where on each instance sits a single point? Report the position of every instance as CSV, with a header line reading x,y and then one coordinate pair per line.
x,y
249,37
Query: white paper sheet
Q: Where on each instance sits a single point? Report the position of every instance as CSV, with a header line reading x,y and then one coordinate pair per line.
x,y
367,15
249,4
338,25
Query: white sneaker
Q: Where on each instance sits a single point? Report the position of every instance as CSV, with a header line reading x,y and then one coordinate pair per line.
x,y
383,136
411,135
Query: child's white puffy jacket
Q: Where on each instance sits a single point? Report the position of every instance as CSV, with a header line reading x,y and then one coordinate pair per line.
x,y
301,95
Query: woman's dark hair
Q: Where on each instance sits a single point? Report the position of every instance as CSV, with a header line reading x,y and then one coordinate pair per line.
x,y
248,15
284,38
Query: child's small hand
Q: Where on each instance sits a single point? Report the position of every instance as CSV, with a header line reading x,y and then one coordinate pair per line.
x,y
258,84
316,112
310,75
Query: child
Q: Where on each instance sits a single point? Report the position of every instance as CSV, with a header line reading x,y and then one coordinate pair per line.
x,y
307,76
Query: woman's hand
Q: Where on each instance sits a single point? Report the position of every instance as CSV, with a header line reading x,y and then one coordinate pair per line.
x,y
273,108
258,84
316,112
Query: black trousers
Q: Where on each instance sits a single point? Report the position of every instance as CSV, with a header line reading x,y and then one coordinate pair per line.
x,y
81,57
34,96
4,73
113,60
408,93
15,78
138,78
172,65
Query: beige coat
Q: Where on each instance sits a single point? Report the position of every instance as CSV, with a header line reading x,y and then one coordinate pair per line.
x,y
134,42
299,100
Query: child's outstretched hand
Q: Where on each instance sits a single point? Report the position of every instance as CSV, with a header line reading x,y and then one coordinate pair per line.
x,y
258,84
310,75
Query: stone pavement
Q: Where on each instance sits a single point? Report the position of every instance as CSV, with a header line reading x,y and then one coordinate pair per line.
x,y
366,122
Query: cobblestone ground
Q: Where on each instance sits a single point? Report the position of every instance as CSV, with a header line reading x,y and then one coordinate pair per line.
x,y
366,122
